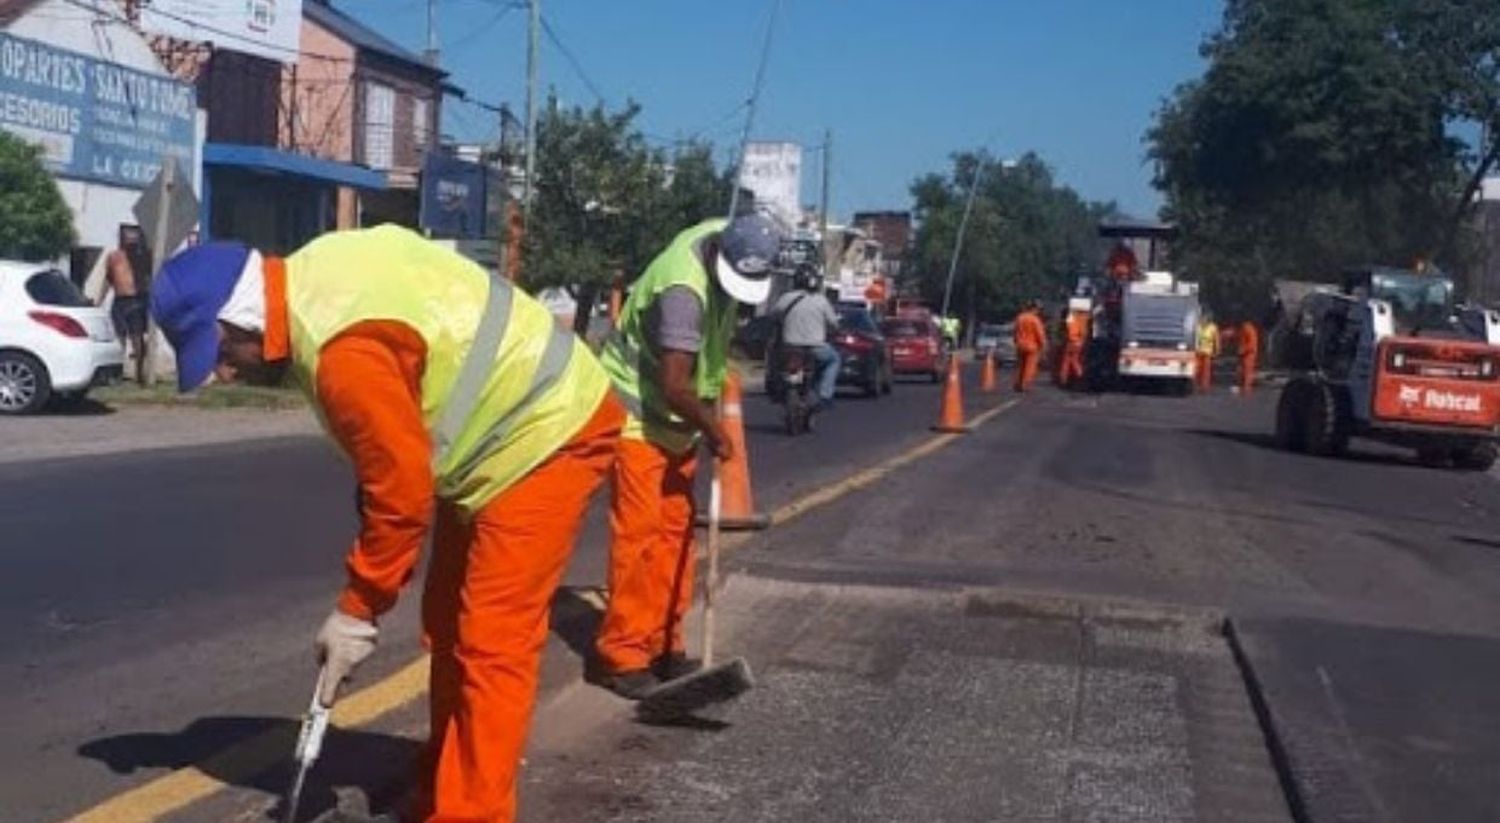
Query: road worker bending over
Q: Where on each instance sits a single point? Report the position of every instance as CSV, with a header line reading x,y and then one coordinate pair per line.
x,y
668,361
466,411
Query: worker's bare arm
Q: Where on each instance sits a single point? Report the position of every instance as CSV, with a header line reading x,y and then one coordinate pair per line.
x,y
682,398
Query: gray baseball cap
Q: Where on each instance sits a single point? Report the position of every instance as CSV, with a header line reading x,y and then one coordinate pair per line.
x,y
748,247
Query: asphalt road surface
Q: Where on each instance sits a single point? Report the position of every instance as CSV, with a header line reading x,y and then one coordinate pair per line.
x,y
157,607
1091,608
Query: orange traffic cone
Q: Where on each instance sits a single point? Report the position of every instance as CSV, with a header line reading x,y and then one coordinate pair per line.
x,y
987,380
737,504
951,418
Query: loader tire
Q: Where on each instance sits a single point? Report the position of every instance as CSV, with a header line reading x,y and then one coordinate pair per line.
x,y
1291,416
1328,415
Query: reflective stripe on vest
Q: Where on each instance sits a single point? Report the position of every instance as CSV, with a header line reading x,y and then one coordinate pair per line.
x,y
502,386
554,362
475,370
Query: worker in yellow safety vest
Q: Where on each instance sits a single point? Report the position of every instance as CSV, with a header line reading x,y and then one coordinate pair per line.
x,y
1205,350
469,414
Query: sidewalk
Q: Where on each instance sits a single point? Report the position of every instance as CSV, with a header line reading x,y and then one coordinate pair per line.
x,y
102,430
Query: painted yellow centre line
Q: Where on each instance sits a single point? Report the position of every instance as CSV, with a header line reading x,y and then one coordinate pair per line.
x,y
253,755
247,758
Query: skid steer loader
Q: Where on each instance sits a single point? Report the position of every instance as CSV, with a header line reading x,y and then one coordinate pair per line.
x,y
1389,357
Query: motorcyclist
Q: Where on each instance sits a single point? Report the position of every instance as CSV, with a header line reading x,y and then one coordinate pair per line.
x,y
805,319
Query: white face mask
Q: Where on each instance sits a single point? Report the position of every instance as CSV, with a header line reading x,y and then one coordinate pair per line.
x,y
246,307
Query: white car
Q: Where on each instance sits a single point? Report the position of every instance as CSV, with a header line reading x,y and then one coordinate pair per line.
x,y
53,341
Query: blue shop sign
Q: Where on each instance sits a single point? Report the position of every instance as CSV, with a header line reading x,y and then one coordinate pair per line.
x,y
453,197
94,120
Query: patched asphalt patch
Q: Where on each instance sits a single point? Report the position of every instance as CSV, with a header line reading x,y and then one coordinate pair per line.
x,y
892,704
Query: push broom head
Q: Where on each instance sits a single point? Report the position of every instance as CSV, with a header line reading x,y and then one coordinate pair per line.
x,y
680,698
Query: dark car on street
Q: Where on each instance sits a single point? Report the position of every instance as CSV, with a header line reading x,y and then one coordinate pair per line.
x,y
862,347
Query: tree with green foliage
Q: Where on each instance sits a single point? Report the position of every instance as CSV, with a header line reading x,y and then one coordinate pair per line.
x,y
1322,136
1028,237
35,223
607,202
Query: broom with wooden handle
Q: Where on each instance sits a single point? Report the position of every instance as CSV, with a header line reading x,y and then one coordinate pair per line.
x,y
676,699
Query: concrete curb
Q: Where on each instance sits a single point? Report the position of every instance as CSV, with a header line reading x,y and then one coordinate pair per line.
x,y
1281,759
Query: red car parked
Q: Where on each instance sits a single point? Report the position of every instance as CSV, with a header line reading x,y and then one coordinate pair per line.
x,y
917,347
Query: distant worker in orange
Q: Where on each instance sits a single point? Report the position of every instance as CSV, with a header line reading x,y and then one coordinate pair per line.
x,y
1249,345
1076,335
468,414
1205,351
1122,263
1031,342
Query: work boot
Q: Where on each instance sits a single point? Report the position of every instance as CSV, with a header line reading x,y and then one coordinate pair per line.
x,y
631,685
675,665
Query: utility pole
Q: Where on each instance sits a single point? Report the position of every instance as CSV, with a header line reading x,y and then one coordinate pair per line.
x,y
532,43
431,54
828,251
963,226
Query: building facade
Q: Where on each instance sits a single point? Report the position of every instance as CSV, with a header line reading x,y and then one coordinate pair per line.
x,y
335,137
77,79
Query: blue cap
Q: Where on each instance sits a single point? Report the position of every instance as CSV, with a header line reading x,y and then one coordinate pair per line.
x,y
748,248
186,297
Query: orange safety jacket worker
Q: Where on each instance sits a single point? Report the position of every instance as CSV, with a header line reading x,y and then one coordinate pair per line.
x,y
497,459
1031,339
1249,350
1076,330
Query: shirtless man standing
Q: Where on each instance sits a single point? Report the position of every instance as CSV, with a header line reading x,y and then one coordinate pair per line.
x,y
131,301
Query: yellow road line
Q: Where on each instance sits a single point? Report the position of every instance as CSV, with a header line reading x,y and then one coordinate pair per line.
x,y
254,755
866,477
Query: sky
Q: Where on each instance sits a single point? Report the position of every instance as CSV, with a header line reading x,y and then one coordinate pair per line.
x,y
901,85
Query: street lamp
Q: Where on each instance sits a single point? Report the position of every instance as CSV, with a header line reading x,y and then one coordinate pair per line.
x,y
963,227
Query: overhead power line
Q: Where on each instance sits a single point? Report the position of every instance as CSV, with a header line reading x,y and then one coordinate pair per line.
x,y
485,27
751,104
572,61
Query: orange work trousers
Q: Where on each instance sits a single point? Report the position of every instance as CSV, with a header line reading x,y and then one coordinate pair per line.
x,y
1247,374
1072,366
485,613
1204,376
1027,363
651,556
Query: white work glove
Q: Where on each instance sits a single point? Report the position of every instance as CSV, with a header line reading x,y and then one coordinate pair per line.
x,y
343,643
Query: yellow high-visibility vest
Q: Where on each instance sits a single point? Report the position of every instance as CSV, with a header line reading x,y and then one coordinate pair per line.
x,y
531,385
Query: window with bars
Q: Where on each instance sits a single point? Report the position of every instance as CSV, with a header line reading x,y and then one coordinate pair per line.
x,y
421,125
380,125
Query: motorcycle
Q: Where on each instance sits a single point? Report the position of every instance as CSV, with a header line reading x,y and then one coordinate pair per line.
x,y
797,389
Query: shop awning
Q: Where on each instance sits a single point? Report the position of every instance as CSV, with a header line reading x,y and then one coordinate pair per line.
x,y
276,161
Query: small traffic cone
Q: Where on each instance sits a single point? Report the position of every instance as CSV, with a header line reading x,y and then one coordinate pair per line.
x,y
951,418
988,382
737,504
